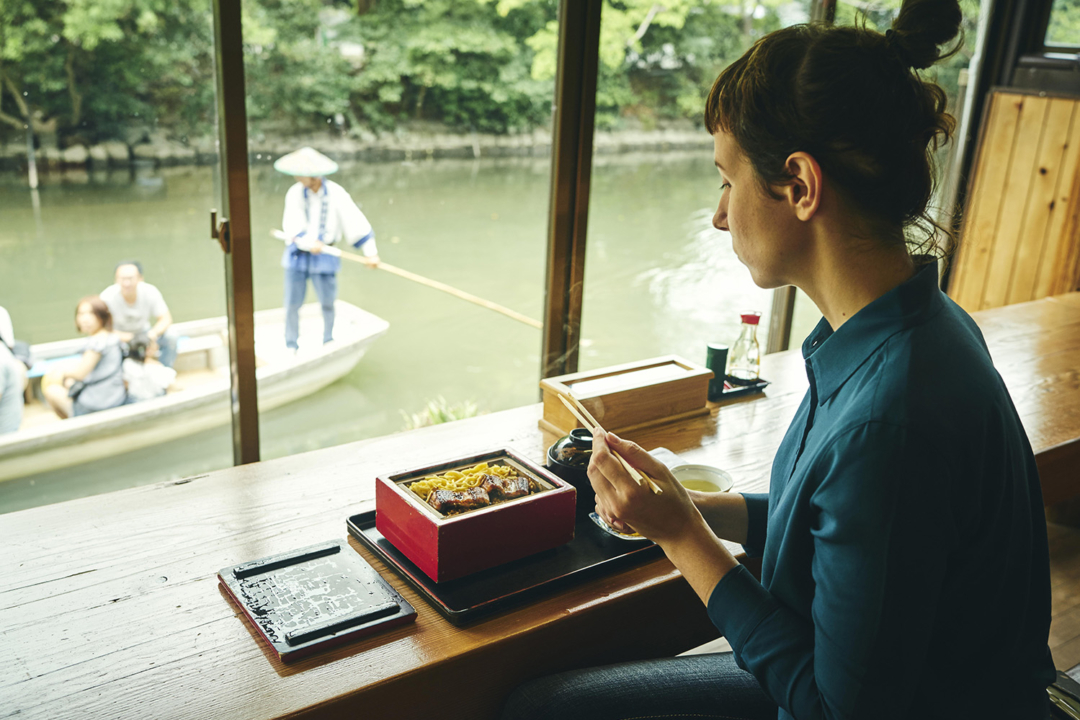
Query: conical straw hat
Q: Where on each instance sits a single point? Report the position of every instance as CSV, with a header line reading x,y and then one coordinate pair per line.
x,y
305,162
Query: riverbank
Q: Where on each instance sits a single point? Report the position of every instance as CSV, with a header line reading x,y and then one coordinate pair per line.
x,y
419,143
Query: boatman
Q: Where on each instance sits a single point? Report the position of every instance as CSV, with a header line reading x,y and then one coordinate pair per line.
x,y
318,213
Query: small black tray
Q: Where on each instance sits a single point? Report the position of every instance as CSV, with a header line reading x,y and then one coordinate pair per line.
x,y
313,598
740,388
592,552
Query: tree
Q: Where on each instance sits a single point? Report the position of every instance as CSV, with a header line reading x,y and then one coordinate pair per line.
x,y
83,68
657,60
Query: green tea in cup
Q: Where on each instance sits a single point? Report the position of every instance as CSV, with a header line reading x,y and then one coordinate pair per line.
x,y
702,478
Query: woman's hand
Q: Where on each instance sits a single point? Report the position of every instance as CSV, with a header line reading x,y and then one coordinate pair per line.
x,y
669,519
627,506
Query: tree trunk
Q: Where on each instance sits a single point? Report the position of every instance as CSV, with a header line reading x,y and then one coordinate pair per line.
x,y
420,101
76,96
748,19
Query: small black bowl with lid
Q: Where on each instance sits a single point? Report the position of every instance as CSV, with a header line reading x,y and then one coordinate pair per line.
x,y
569,458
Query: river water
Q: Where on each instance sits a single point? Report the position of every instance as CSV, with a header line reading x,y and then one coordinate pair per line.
x,y
659,280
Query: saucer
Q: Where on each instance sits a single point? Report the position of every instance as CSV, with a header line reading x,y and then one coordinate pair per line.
x,y
613,532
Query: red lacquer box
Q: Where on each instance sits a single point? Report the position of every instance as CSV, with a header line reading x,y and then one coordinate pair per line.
x,y
445,547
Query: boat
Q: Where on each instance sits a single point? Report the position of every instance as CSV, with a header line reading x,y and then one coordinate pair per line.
x,y
199,399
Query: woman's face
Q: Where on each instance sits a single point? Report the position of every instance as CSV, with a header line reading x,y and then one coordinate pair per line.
x,y
86,320
761,231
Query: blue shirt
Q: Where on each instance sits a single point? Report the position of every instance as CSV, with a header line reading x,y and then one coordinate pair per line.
x,y
905,565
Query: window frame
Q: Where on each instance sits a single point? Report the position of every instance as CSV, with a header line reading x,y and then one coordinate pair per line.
x,y
1010,45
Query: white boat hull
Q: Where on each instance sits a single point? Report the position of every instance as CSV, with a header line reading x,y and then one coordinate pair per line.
x,y
282,378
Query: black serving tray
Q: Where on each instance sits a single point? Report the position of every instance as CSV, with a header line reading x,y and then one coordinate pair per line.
x,y
313,598
591,553
740,388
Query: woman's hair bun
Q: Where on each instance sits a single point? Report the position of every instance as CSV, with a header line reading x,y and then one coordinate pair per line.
x,y
921,28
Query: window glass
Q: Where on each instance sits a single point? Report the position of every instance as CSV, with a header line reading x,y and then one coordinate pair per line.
x,y
118,164
659,279
954,76
437,117
1064,27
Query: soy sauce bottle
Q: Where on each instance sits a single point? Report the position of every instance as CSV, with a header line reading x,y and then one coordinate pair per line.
x,y
744,362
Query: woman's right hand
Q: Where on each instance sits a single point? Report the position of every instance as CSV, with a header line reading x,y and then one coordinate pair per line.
x,y
624,504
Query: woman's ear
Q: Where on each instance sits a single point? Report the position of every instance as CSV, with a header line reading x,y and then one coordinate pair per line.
x,y
804,190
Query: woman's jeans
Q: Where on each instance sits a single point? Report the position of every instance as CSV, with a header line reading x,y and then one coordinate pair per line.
x,y
694,686
295,289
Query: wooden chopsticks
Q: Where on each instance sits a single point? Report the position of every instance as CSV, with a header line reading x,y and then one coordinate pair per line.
x,y
585,418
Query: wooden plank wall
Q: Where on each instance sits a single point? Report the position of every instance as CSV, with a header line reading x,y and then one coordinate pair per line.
x,y
1020,237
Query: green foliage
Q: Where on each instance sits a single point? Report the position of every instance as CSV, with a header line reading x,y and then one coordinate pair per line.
x,y
89,70
1064,29
880,16
658,61
85,67
439,411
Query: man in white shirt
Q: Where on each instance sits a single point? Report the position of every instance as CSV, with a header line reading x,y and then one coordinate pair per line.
x,y
138,307
318,212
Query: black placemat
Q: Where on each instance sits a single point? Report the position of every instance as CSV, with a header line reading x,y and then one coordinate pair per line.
x,y
592,552
315,597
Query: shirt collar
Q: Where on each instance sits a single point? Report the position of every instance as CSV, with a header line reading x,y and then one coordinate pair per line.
x,y
322,190
832,357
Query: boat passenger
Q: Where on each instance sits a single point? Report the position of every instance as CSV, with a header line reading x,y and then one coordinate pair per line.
x,y
95,381
12,387
144,376
905,570
7,331
139,307
318,213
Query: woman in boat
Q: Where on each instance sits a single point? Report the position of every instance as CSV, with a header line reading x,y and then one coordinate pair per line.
x,y
905,571
95,381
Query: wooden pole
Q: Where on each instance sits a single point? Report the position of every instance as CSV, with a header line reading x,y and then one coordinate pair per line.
x,y
435,284
427,282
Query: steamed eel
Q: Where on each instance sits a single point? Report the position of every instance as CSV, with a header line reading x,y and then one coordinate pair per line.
x,y
505,487
446,501
478,486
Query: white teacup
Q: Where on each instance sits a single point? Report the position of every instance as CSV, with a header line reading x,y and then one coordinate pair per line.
x,y
703,478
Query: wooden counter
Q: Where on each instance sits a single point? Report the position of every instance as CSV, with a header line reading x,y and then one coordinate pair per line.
x,y
111,606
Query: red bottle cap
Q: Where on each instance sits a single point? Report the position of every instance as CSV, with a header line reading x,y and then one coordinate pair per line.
x,y
751,318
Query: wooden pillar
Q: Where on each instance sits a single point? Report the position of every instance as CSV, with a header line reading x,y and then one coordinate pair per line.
x,y
571,168
234,229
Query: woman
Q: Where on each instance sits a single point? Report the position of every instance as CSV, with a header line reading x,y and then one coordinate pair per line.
x,y
904,557
94,382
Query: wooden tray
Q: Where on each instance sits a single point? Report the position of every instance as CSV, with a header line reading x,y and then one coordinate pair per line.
x,y
592,552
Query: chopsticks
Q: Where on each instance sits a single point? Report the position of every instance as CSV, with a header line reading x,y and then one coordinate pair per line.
x,y
585,418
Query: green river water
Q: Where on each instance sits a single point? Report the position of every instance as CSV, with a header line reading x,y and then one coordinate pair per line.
x,y
659,280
